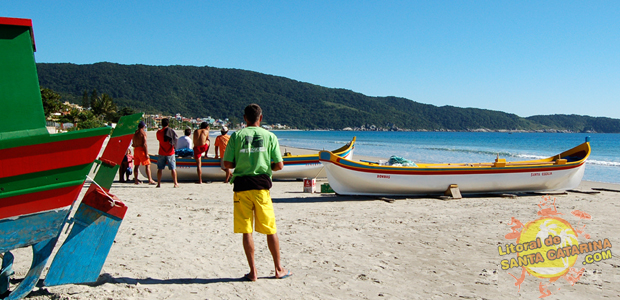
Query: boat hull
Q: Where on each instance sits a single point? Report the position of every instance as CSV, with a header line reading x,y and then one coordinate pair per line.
x,y
295,167
350,182
353,178
41,174
30,229
50,175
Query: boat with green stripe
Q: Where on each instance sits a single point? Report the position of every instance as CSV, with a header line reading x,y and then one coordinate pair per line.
x,y
42,174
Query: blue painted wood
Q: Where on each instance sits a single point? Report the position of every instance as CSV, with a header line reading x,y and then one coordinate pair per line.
x,y
81,257
41,252
6,272
31,229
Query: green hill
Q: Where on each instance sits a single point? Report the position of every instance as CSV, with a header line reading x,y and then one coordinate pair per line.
x,y
578,123
207,91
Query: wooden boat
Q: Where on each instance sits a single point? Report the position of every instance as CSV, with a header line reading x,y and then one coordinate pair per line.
x,y
295,166
42,174
559,172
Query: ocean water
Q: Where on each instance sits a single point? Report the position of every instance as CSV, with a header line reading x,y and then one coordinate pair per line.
x,y
468,147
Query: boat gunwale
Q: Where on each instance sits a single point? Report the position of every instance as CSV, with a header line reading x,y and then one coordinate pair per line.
x,y
535,166
39,139
288,160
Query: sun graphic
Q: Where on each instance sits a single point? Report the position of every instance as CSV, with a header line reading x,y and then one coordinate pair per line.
x,y
554,233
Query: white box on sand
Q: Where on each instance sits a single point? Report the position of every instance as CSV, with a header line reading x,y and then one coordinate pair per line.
x,y
309,185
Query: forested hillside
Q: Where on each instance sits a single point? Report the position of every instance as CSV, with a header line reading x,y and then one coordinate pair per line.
x,y
578,123
223,93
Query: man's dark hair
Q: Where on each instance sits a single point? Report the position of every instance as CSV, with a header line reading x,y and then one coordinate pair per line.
x,y
188,131
204,125
164,122
253,112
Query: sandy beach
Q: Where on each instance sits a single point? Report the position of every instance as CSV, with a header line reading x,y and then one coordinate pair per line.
x,y
178,243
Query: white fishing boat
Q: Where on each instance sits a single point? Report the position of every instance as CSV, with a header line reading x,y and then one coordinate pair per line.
x,y
295,166
560,172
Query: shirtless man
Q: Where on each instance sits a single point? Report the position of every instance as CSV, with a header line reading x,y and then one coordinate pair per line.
x,y
201,145
141,152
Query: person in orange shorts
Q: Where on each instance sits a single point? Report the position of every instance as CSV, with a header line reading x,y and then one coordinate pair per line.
x,y
220,144
140,154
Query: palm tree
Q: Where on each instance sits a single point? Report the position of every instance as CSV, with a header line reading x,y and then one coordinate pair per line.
x,y
103,107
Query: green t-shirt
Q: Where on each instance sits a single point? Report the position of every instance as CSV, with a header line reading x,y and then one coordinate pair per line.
x,y
252,149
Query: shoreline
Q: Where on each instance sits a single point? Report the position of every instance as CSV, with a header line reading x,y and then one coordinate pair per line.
x,y
453,130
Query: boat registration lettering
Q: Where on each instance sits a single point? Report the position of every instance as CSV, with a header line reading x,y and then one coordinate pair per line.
x,y
541,174
383,176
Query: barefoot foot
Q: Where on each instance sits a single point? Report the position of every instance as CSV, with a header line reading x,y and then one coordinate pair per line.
x,y
248,277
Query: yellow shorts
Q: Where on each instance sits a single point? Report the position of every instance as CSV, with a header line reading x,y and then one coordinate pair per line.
x,y
250,204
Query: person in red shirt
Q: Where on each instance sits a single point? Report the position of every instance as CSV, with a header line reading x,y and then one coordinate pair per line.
x,y
167,139
220,144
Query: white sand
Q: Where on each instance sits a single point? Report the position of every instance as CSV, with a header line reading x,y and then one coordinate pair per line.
x,y
179,244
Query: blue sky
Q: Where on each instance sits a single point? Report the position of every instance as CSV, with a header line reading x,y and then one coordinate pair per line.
x,y
521,57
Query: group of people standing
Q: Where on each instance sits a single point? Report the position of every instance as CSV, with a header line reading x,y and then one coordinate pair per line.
x,y
253,153
170,145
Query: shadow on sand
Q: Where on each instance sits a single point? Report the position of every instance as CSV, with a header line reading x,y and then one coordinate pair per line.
x,y
326,198
107,278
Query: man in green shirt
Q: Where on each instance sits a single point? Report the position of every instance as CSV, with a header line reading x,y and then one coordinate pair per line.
x,y
254,153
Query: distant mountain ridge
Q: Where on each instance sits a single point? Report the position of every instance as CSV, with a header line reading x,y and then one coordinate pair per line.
x,y
208,91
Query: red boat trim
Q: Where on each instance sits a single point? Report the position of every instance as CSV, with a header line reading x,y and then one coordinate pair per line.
x,y
97,199
41,137
39,201
20,22
113,152
301,162
287,160
16,22
43,157
189,164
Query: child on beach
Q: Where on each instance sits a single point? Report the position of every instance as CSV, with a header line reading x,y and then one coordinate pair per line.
x,y
126,167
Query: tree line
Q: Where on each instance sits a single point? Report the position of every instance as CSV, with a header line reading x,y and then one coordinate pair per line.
x,y
98,109
223,93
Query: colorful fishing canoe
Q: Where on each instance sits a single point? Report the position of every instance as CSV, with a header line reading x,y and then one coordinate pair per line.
x,y
42,174
560,172
295,166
